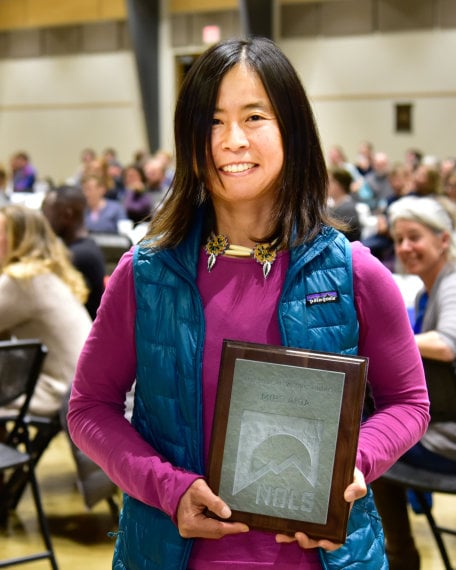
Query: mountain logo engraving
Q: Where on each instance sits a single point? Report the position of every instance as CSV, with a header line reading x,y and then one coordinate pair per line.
x,y
271,444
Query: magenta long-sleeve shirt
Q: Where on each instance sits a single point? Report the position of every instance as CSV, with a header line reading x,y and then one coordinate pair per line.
x,y
240,304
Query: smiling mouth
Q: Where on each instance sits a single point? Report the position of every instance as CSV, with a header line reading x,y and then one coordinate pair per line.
x,y
410,262
240,167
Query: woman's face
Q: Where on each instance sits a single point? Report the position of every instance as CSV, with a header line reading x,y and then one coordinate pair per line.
x,y
450,187
132,179
335,190
3,238
93,191
421,251
246,142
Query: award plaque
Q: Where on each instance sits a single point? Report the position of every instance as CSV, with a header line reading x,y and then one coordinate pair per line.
x,y
285,435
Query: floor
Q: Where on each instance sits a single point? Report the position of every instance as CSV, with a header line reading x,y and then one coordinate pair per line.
x,y
81,538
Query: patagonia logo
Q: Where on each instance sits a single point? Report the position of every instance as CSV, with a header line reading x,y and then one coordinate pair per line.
x,y
324,297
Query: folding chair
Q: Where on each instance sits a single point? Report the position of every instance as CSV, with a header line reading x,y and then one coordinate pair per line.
x,y
422,481
42,431
113,246
20,366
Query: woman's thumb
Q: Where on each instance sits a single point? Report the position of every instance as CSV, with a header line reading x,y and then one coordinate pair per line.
x,y
220,508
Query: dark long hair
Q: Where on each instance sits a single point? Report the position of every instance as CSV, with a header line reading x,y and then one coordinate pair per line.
x,y
302,186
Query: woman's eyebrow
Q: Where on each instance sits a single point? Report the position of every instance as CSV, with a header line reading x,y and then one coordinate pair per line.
x,y
249,106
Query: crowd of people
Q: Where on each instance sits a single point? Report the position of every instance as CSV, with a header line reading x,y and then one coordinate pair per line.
x,y
249,218
359,193
117,192
406,214
366,187
114,192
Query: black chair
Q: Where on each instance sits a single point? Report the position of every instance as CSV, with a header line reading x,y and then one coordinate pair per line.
x,y
113,246
20,366
422,481
42,431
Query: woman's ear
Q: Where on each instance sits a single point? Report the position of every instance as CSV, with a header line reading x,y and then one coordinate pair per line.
x,y
446,240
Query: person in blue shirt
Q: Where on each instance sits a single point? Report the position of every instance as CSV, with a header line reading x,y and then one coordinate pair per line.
x,y
22,172
102,215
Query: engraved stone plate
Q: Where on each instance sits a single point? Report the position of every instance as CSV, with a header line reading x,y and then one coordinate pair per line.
x,y
284,438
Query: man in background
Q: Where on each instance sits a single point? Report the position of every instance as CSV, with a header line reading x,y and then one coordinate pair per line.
x,y
64,207
23,174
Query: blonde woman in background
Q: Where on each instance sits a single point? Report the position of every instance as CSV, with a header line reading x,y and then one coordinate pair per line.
x,y
41,296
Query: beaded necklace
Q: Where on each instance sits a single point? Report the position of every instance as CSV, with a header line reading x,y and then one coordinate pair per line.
x,y
264,253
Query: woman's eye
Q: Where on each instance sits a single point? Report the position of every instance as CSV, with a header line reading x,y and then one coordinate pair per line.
x,y
255,118
216,121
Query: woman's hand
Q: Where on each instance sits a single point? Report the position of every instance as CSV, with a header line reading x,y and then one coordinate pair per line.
x,y
193,523
354,491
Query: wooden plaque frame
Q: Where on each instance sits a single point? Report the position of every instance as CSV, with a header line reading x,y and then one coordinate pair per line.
x,y
349,382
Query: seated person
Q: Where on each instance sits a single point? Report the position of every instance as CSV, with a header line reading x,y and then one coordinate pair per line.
x,y
64,208
425,181
422,231
341,203
137,202
157,179
4,197
41,296
102,215
377,183
23,173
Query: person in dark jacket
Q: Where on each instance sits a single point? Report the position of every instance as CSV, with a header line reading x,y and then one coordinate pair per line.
x,y
242,249
64,207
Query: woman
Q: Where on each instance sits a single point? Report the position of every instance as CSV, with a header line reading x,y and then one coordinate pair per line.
x,y
102,215
424,243
450,186
239,243
342,204
41,296
137,202
425,181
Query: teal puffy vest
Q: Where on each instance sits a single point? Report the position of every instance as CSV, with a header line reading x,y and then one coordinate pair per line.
x,y
316,312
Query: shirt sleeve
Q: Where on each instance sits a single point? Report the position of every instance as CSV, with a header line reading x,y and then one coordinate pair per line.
x,y
16,305
445,313
96,419
395,370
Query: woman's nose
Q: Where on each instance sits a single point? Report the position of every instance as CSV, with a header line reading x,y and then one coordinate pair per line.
x,y
404,245
235,137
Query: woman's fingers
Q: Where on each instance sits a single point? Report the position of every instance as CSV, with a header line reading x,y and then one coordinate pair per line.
x,y
306,542
357,489
192,519
354,491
